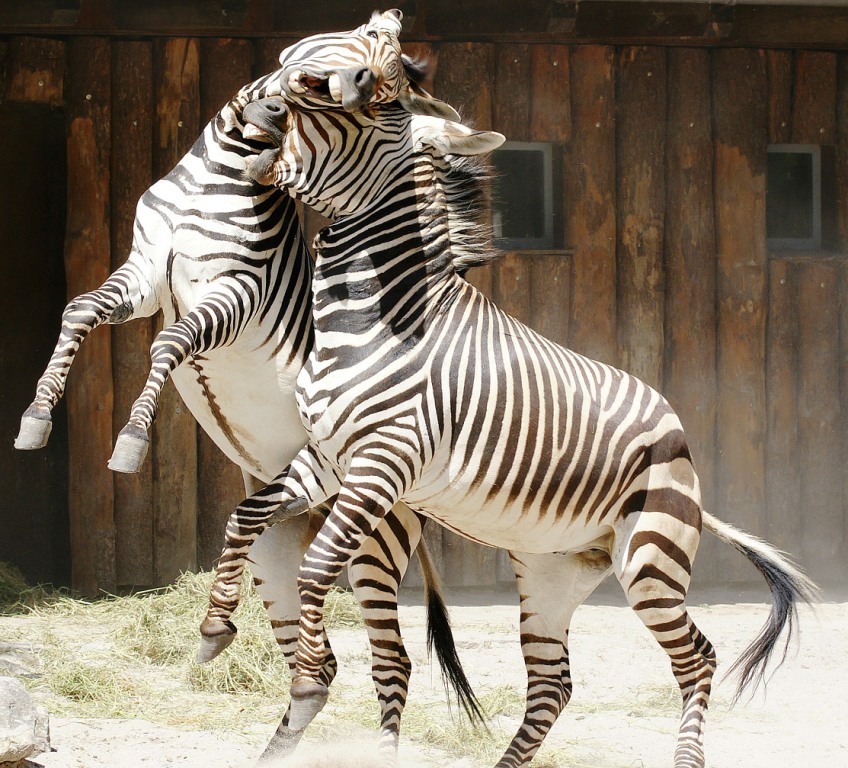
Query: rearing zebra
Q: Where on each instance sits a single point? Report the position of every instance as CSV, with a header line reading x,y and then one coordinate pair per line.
x,y
419,388
224,259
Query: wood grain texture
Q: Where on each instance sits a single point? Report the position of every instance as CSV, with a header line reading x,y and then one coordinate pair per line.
x,y
34,71
174,441
690,261
640,204
814,98
89,395
780,76
131,175
590,202
740,115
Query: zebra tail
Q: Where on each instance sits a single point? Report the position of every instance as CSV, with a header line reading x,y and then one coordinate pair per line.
x,y
440,638
788,585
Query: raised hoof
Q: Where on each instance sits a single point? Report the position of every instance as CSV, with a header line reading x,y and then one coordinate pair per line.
x,y
308,698
33,433
129,452
215,636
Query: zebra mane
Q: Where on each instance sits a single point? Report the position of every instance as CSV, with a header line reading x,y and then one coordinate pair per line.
x,y
467,192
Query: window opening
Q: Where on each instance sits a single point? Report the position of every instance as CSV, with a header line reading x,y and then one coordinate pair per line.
x,y
522,207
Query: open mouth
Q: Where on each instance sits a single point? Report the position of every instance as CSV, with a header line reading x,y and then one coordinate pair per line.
x,y
252,131
327,88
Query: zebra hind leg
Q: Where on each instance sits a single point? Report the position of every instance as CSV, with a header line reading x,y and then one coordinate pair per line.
x,y
654,572
550,587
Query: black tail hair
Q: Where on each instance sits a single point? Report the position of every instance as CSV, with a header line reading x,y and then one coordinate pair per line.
x,y
788,586
440,638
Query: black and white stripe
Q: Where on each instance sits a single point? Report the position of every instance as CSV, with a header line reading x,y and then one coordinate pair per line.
x,y
419,388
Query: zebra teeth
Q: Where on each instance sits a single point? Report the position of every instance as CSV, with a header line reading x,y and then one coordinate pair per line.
x,y
335,84
252,131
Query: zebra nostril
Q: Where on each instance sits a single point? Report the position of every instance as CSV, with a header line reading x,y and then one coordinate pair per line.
x,y
365,78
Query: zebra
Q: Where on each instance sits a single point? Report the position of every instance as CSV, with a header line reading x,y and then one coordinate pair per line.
x,y
418,388
224,259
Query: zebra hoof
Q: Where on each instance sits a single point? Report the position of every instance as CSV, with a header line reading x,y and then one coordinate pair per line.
x,y
33,433
129,452
308,698
215,637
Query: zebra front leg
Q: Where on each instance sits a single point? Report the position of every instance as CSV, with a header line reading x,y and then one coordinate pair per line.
x,y
305,483
551,587
169,350
357,511
124,295
274,561
375,574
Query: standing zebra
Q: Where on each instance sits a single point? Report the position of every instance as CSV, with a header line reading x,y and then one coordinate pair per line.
x,y
419,388
224,259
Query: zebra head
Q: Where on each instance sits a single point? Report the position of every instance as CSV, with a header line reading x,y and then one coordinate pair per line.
x,y
353,69
340,162
357,68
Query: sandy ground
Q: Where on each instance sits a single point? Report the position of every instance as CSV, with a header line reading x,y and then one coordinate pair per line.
x,y
623,713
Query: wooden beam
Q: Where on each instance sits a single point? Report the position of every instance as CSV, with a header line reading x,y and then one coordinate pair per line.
x,y
550,93
640,203
780,68
87,264
785,516
174,441
740,115
589,199
803,25
690,262
814,98
131,175
819,420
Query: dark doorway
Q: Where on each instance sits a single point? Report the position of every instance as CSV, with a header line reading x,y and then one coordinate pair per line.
x,y
33,484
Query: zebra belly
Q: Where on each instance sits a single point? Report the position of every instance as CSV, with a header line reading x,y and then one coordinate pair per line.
x,y
524,528
246,404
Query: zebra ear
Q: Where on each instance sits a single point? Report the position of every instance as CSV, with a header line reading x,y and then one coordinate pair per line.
x,y
417,101
450,138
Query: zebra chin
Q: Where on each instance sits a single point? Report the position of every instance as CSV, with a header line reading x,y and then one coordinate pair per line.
x,y
261,168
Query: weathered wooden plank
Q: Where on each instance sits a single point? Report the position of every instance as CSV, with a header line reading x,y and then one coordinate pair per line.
x,y
550,93
267,53
174,442
690,312
780,69
513,284
131,174
225,66
463,79
589,198
511,103
841,175
550,292
783,468
814,98
89,394
843,396
740,115
819,415
34,71
640,204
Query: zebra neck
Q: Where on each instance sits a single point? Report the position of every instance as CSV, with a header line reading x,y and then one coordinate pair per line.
x,y
387,270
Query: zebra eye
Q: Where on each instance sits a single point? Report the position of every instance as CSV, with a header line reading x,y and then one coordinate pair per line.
x,y
372,33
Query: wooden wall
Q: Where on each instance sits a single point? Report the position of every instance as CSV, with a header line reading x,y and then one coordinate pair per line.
x,y
663,270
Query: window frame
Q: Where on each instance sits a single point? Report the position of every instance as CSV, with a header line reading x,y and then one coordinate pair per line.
x,y
547,241
802,243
